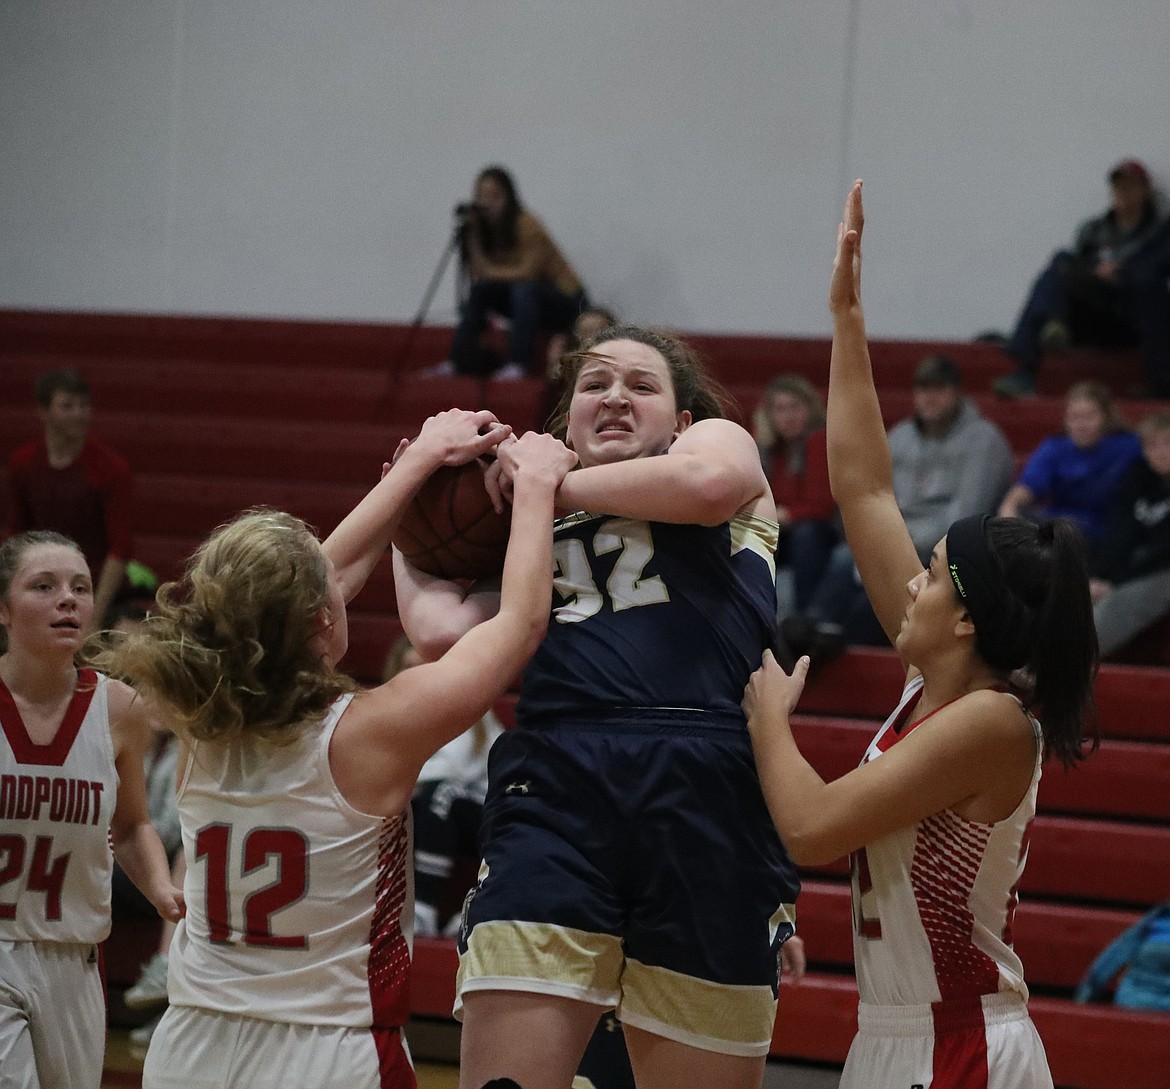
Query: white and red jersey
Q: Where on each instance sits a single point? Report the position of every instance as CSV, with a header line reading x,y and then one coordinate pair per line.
x,y
56,803
933,903
295,900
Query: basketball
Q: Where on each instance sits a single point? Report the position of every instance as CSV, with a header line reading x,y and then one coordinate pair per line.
x,y
451,529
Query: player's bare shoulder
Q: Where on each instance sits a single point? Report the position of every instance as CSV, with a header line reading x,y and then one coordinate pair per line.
x,y
133,716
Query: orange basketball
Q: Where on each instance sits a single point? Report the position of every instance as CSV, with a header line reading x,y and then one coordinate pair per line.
x,y
451,529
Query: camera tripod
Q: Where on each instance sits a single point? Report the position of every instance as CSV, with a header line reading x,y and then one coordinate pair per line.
x,y
454,245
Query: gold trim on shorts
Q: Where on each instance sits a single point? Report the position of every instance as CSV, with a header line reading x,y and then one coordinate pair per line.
x,y
540,958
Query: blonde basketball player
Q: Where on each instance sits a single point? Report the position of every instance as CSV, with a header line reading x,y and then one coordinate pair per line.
x,y
936,817
71,782
292,965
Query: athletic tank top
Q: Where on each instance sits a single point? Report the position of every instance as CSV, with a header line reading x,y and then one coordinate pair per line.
x,y
933,903
650,615
295,900
56,803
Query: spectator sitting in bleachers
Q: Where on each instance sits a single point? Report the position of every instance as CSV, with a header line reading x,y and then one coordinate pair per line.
x,y
1077,474
1109,291
789,428
73,483
514,269
948,462
1131,569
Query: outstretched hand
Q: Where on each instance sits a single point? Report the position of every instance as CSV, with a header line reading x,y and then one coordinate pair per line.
x,y
457,436
533,449
845,286
770,688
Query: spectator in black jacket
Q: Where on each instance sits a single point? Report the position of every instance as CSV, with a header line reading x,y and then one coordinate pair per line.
x,y
1108,291
1131,587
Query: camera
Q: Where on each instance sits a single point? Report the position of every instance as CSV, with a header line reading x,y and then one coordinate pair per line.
x,y
466,210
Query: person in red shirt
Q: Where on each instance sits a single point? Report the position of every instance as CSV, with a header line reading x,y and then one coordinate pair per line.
x,y
789,427
73,483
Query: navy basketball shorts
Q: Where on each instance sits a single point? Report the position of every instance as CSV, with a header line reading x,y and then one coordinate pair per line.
x,y
631,863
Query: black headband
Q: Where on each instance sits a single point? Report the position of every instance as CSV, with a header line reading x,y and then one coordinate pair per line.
x,y
1003,623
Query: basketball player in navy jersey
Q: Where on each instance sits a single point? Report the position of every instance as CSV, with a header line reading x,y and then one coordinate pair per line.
x,y
629,861
936,817
72,744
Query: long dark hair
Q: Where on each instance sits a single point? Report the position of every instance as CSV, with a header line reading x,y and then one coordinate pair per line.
x,y
695,389
1045,567
500,238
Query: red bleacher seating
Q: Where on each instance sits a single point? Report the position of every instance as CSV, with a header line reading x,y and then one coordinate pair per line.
x,y
220,414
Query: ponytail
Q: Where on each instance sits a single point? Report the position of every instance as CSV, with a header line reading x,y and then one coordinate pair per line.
x,y
1046,571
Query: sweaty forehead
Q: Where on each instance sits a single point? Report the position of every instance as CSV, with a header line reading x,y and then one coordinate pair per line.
x,y
625,357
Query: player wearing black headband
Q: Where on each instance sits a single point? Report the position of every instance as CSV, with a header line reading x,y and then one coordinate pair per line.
x,y
936,817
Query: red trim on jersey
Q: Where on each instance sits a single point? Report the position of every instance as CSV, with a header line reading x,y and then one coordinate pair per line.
x,y
394,1069
960,1045
53,753
388,967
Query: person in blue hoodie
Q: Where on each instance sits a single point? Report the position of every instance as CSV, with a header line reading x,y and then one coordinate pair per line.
x,y
1078,473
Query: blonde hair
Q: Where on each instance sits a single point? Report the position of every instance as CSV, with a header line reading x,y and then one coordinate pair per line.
x,y
230,649
1103,399
794,385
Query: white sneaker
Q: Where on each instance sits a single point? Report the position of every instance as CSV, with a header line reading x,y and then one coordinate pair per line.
x,y
139,1039
426,920
446,369
151,988
511,372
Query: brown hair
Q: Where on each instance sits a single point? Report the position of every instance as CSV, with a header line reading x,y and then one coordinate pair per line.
x,y
695,389
12,552
66,380
229,650
1155,421
795,385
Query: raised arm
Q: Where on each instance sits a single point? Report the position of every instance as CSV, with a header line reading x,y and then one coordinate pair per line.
x,y
454,437
860,471
385,737
708,474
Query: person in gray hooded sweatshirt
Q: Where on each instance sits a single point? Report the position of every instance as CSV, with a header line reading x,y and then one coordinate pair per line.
x,y
949,462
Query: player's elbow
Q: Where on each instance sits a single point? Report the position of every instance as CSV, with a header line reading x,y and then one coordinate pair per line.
x,y
716,493
433,639
810,853
808,845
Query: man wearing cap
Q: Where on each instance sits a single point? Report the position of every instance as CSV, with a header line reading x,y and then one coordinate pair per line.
x,y
1106,292
948,462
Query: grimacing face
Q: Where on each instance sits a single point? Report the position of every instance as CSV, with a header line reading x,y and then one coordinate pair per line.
x,y
623,405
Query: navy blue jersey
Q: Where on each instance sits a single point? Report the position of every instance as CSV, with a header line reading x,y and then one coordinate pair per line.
x,y
650,614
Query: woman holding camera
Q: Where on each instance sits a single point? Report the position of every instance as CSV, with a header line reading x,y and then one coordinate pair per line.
x,y
515,270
